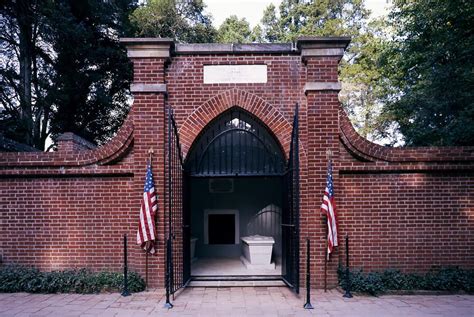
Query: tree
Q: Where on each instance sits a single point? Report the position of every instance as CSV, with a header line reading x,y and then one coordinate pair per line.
x,y
316,18
428,66
234,30
257,34
271,25
363,86
92,72
359,70
19,72
63,69
182,20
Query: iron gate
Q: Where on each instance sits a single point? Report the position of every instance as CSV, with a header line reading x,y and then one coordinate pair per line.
x,y
235,144
290,220
177,244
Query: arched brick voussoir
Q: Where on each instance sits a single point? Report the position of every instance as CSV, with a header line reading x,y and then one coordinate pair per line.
x,y
363,149
252,103
106,154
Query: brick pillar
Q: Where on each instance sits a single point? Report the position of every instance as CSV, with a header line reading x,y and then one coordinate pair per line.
x,y
149,56
69,143
321,57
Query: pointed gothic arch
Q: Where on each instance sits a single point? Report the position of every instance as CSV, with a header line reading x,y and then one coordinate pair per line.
x,y
235,143
257,106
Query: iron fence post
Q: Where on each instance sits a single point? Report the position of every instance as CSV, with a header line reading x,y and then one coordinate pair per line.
x,y
168,275
168,241
308,305
125,291
347,294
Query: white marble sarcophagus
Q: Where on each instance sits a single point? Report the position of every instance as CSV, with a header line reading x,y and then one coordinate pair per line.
x,y
257,252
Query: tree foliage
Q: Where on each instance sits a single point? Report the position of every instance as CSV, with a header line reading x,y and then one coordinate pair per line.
x,y
234,30
24,73
93,73
63,69
363,86
182,20
359,70
316,18
429,69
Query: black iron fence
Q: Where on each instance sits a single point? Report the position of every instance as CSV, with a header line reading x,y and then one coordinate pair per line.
x,y
177,246
291,206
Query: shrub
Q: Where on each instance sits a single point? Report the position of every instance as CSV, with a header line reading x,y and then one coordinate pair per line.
x,y
84,281
443,279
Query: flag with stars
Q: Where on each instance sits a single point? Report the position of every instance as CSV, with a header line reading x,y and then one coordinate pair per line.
x,y
149,205
328,207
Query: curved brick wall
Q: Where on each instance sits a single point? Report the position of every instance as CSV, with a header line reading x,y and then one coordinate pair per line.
x,y
406,208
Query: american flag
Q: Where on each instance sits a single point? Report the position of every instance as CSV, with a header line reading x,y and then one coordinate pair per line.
x,y
149,206
328,207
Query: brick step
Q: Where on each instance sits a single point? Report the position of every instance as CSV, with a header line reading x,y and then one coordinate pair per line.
x,y
236,283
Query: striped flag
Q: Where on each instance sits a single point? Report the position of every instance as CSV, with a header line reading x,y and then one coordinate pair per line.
x,y
328,207
149,206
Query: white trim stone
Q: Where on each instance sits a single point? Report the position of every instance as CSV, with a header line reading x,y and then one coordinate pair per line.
x,y
320,86
148,88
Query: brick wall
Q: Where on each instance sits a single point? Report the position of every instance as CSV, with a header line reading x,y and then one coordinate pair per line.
x,y
195,103
66,222
408,221
403,208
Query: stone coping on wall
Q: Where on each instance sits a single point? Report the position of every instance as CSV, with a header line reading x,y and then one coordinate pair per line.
x,y
235,48
148,47
305,46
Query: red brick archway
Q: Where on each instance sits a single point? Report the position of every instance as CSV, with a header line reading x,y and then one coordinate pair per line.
x,y
254,104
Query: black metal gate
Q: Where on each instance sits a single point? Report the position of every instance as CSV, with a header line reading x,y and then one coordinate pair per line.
x,y
235,144
290,221
230,139
178,240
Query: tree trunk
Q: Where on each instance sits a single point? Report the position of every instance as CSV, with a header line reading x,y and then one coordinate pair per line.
x,y
26,47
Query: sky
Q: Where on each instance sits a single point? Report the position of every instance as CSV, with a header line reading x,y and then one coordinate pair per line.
x,y
252,10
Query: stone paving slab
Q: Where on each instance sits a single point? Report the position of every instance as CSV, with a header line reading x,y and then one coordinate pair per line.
x,y
234,301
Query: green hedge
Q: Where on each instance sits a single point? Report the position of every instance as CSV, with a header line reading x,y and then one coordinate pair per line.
x,y
83,281
444,279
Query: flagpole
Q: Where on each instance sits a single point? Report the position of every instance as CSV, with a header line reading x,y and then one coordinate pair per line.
x,y
326,253
147,251
146,270
326,261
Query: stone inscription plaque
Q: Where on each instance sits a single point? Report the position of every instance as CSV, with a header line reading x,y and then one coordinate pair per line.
x,y
235,74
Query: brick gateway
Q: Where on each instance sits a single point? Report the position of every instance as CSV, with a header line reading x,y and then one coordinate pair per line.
x,y
409,209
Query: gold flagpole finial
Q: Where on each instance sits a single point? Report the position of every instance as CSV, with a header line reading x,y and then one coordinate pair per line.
x,y
329,154
150,153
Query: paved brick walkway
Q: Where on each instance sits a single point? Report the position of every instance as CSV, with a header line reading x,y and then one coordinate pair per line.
x,y
246,301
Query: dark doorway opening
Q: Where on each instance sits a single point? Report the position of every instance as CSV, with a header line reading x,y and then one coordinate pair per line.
x,y
235,169
221,229
220,220
236,176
